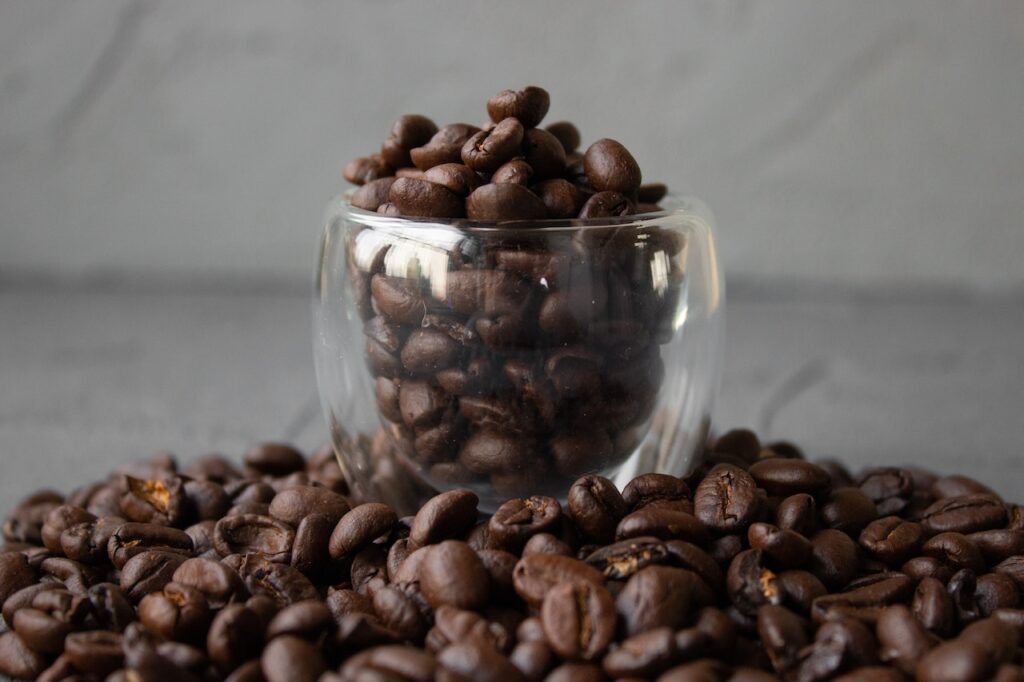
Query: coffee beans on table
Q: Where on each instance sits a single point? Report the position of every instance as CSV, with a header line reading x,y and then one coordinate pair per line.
x,y
760,565
531,356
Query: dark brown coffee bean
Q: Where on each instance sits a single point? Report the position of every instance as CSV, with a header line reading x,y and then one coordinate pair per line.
x,y
486,292
546,543
956,660
399,612
834,557
956,485
60,519
567,134
651,193
491,451
933,607
532,659
15,574
477,662
576,452
177,612
96,652
400,302
218,583
457,178
848,510
864,598
994,591
428,351
294,504
504,201
789,476
111,607
607,205
725,500
453,625
561,198
444,147
838,644
648,489
891,539
662,523
783,547
751,584
743,443
783,635
797,513
610,167
17,660
291,659
596,507
956,550
999,544
922,567
310,550
579,620
903,641
274,459
366,169
247,533
361,526
488,149
41,631
148,572
444,516
373,194
408,132
528,105
544,154
890,488
424,199
421,404
155,501
656,596
535,575
280,582
964,514
516,171
452,573
235,636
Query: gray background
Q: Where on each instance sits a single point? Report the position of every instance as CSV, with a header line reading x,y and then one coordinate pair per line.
x,y
856,144
164,167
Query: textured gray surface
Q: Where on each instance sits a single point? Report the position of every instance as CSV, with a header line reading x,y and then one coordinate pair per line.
x,y
853,142
89,380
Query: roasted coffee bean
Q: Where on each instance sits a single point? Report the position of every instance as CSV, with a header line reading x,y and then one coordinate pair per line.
x,y
889,488
848,510
424,199
956,485
726,499
532,659
41,631
60,519
177,612
933,607
444,147
516,171
373,194
610,167
528,105
783,634
504,201
789,476
444,516
366,169
535,575
359,527
235,636
288,659
999,544
87,542
477,662
891,539
994,591
96,652
111,607
15,574
656,596
453,625
964,514
863,599
566,133
488,149
148,572
607,205
408,132
797,513
160,502
561,198
489,451
251,533
399,611
596,507
544,154
218,583
834,557
579,620
922,567
783,547
294,504
663,523
751,584
310,550
282,583
17,660
452,573
660,489
428,351
955,550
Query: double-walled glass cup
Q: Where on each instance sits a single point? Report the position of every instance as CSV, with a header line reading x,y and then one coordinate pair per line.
x,y
512,358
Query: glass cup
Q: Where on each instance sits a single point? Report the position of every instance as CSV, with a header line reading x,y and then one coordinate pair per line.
x,y
511,358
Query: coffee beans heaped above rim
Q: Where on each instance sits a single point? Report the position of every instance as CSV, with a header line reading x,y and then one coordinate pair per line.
x,y
760,565
509,170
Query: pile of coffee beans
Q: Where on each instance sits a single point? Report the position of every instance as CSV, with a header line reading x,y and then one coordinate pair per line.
x,y
526,356
510,170
759,566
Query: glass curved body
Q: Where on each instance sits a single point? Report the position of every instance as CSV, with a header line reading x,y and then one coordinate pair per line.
x,y
512,358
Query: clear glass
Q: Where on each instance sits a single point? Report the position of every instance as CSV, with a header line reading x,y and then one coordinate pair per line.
x,y
512,358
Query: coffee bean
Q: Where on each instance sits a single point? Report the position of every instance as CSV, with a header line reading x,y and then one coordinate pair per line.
x,y
544,154
784,547
457,178
235,636
504,201
833,557
649,489
797,513
148,572
783,633
789,476
566,133
561,198
359,527
219,584
607,205
96,652
408,132
655,596
956,550
427,351
596,507
310,550
964,514
160,502
933,607
491,451
444,147
477,662
366,169
528,105
891,539
663,523
848,510
17,660
452,573
725,500
579,620
282,583
424,199
488,149
373,194
516,171
610,167
535,575
294,504
15,574
177,612
444,516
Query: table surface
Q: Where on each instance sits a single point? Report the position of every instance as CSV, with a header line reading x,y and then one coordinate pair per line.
x,y
92,378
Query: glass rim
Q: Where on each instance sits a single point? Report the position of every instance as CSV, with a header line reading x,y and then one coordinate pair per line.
x,y
676,207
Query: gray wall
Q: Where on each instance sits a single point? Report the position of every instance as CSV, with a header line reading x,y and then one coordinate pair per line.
x,y
849,142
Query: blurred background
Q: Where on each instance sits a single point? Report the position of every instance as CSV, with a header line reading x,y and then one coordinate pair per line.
x,y
164,167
